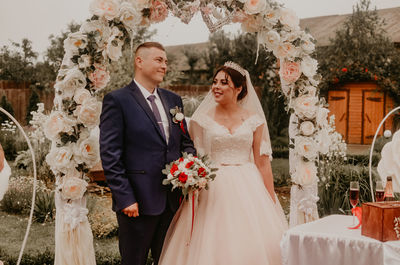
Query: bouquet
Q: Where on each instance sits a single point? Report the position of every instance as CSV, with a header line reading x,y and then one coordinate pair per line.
x,y
189,173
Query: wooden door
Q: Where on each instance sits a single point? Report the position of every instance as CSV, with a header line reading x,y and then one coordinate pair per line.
x,y
373,113
338,106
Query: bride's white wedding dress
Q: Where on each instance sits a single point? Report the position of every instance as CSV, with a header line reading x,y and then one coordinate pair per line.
x,y
236,222
4,177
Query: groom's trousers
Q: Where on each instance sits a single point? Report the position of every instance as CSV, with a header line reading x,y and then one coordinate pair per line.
x,y
137,235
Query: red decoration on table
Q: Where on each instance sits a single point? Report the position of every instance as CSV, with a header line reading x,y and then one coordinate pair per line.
x,y
357,211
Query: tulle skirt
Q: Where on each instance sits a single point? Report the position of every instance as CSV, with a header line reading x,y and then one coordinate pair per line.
x,y
4,178
236,223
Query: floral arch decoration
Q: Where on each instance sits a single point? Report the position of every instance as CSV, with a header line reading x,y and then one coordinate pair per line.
x,y
84,73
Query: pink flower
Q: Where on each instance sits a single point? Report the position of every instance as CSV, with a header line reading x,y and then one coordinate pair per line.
x,y
99,77
158,11
290,71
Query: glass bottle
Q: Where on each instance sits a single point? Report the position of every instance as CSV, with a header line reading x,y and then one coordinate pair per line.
x,y
389,189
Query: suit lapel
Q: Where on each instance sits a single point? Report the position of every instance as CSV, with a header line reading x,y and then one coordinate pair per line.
x,y
137,94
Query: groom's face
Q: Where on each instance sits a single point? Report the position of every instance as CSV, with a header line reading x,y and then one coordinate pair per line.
x,y
154,64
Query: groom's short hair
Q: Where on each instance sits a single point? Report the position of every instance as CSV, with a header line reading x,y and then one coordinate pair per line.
x,y
149,44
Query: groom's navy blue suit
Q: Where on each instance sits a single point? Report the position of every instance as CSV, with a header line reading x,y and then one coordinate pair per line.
x,y
133,153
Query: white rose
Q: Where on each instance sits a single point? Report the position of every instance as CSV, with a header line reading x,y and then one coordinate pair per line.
x,y
306,147
306,106
75,41
289,19
272,16
140,4
309,66
252,7
271,39
179,116
114,49
81,95
59,158
89,112
322,117
74,79
73,188
57,123
310,90
84,61
307,45
104,8
87,151
129,16
286,49
202,183
324,141
305,173
307,128
100,27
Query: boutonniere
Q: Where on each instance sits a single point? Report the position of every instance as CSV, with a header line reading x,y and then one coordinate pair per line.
x,y
178,117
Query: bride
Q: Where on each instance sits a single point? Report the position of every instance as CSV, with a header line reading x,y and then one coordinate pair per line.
x,y
239,219
5,172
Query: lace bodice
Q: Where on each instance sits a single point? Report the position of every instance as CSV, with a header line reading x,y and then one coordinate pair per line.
x,y
231,148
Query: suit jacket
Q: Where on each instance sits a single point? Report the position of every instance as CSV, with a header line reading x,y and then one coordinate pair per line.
x,y
134,152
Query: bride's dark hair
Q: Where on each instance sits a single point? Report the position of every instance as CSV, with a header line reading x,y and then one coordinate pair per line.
x,y
237,78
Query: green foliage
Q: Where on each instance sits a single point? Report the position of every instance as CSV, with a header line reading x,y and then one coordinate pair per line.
x,y
102,219
190,104
32,106
361,51
6,105
44,207
11,140
38,258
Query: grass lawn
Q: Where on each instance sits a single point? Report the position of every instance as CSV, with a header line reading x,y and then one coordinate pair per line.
x,y
41,237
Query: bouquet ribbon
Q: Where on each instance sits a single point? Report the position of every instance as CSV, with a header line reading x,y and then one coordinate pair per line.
x,y
357,211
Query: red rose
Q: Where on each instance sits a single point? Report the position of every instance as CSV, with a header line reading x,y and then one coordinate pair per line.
x,y
201,172
183,177
344,70
189,164
366,70
375,77
174,168
181,159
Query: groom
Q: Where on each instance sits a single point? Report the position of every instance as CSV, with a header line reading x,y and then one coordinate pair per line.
x,y
137,138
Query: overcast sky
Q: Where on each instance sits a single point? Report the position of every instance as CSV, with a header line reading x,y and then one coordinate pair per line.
x,y
37,19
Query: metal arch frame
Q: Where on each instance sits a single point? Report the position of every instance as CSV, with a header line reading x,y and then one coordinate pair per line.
x,y
34,183
372,149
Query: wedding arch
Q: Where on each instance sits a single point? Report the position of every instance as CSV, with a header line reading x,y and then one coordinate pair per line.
x,y
83,74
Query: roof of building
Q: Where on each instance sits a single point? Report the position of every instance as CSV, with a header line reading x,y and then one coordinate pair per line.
x,y
324,28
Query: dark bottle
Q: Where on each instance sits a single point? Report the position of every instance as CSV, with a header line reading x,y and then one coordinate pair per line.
x,y
389,189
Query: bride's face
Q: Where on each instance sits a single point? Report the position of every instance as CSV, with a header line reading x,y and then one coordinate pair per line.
x,y
223,89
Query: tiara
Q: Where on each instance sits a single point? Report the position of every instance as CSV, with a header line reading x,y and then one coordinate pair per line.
x,y
236,67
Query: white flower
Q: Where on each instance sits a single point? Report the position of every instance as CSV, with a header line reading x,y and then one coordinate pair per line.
x,y
289,19
322,117
140,4
305,173
104,8
310,90
73,188
59,158
272,16
75,41
81,95
87,151
252,7
114,45
306,147
271,39
286,49
306,106
89,112
179,116
324,141
389,165
74,79
74,215
309,66
57,123
100,28
307,128
84,61
129,16
307,45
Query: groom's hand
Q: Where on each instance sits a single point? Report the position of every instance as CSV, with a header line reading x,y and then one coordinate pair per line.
x,y
132,210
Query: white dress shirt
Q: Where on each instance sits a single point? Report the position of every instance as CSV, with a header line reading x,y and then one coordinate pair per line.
x,y
160,107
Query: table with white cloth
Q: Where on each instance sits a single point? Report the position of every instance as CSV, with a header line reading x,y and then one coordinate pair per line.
x,y
328,241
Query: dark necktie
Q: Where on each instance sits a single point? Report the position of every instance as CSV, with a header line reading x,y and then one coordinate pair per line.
x,y
152,99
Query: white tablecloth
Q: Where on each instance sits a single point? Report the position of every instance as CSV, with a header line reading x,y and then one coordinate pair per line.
x,y
328,241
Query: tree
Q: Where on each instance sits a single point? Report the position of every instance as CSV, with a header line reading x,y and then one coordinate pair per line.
x,y
361,51
32,106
